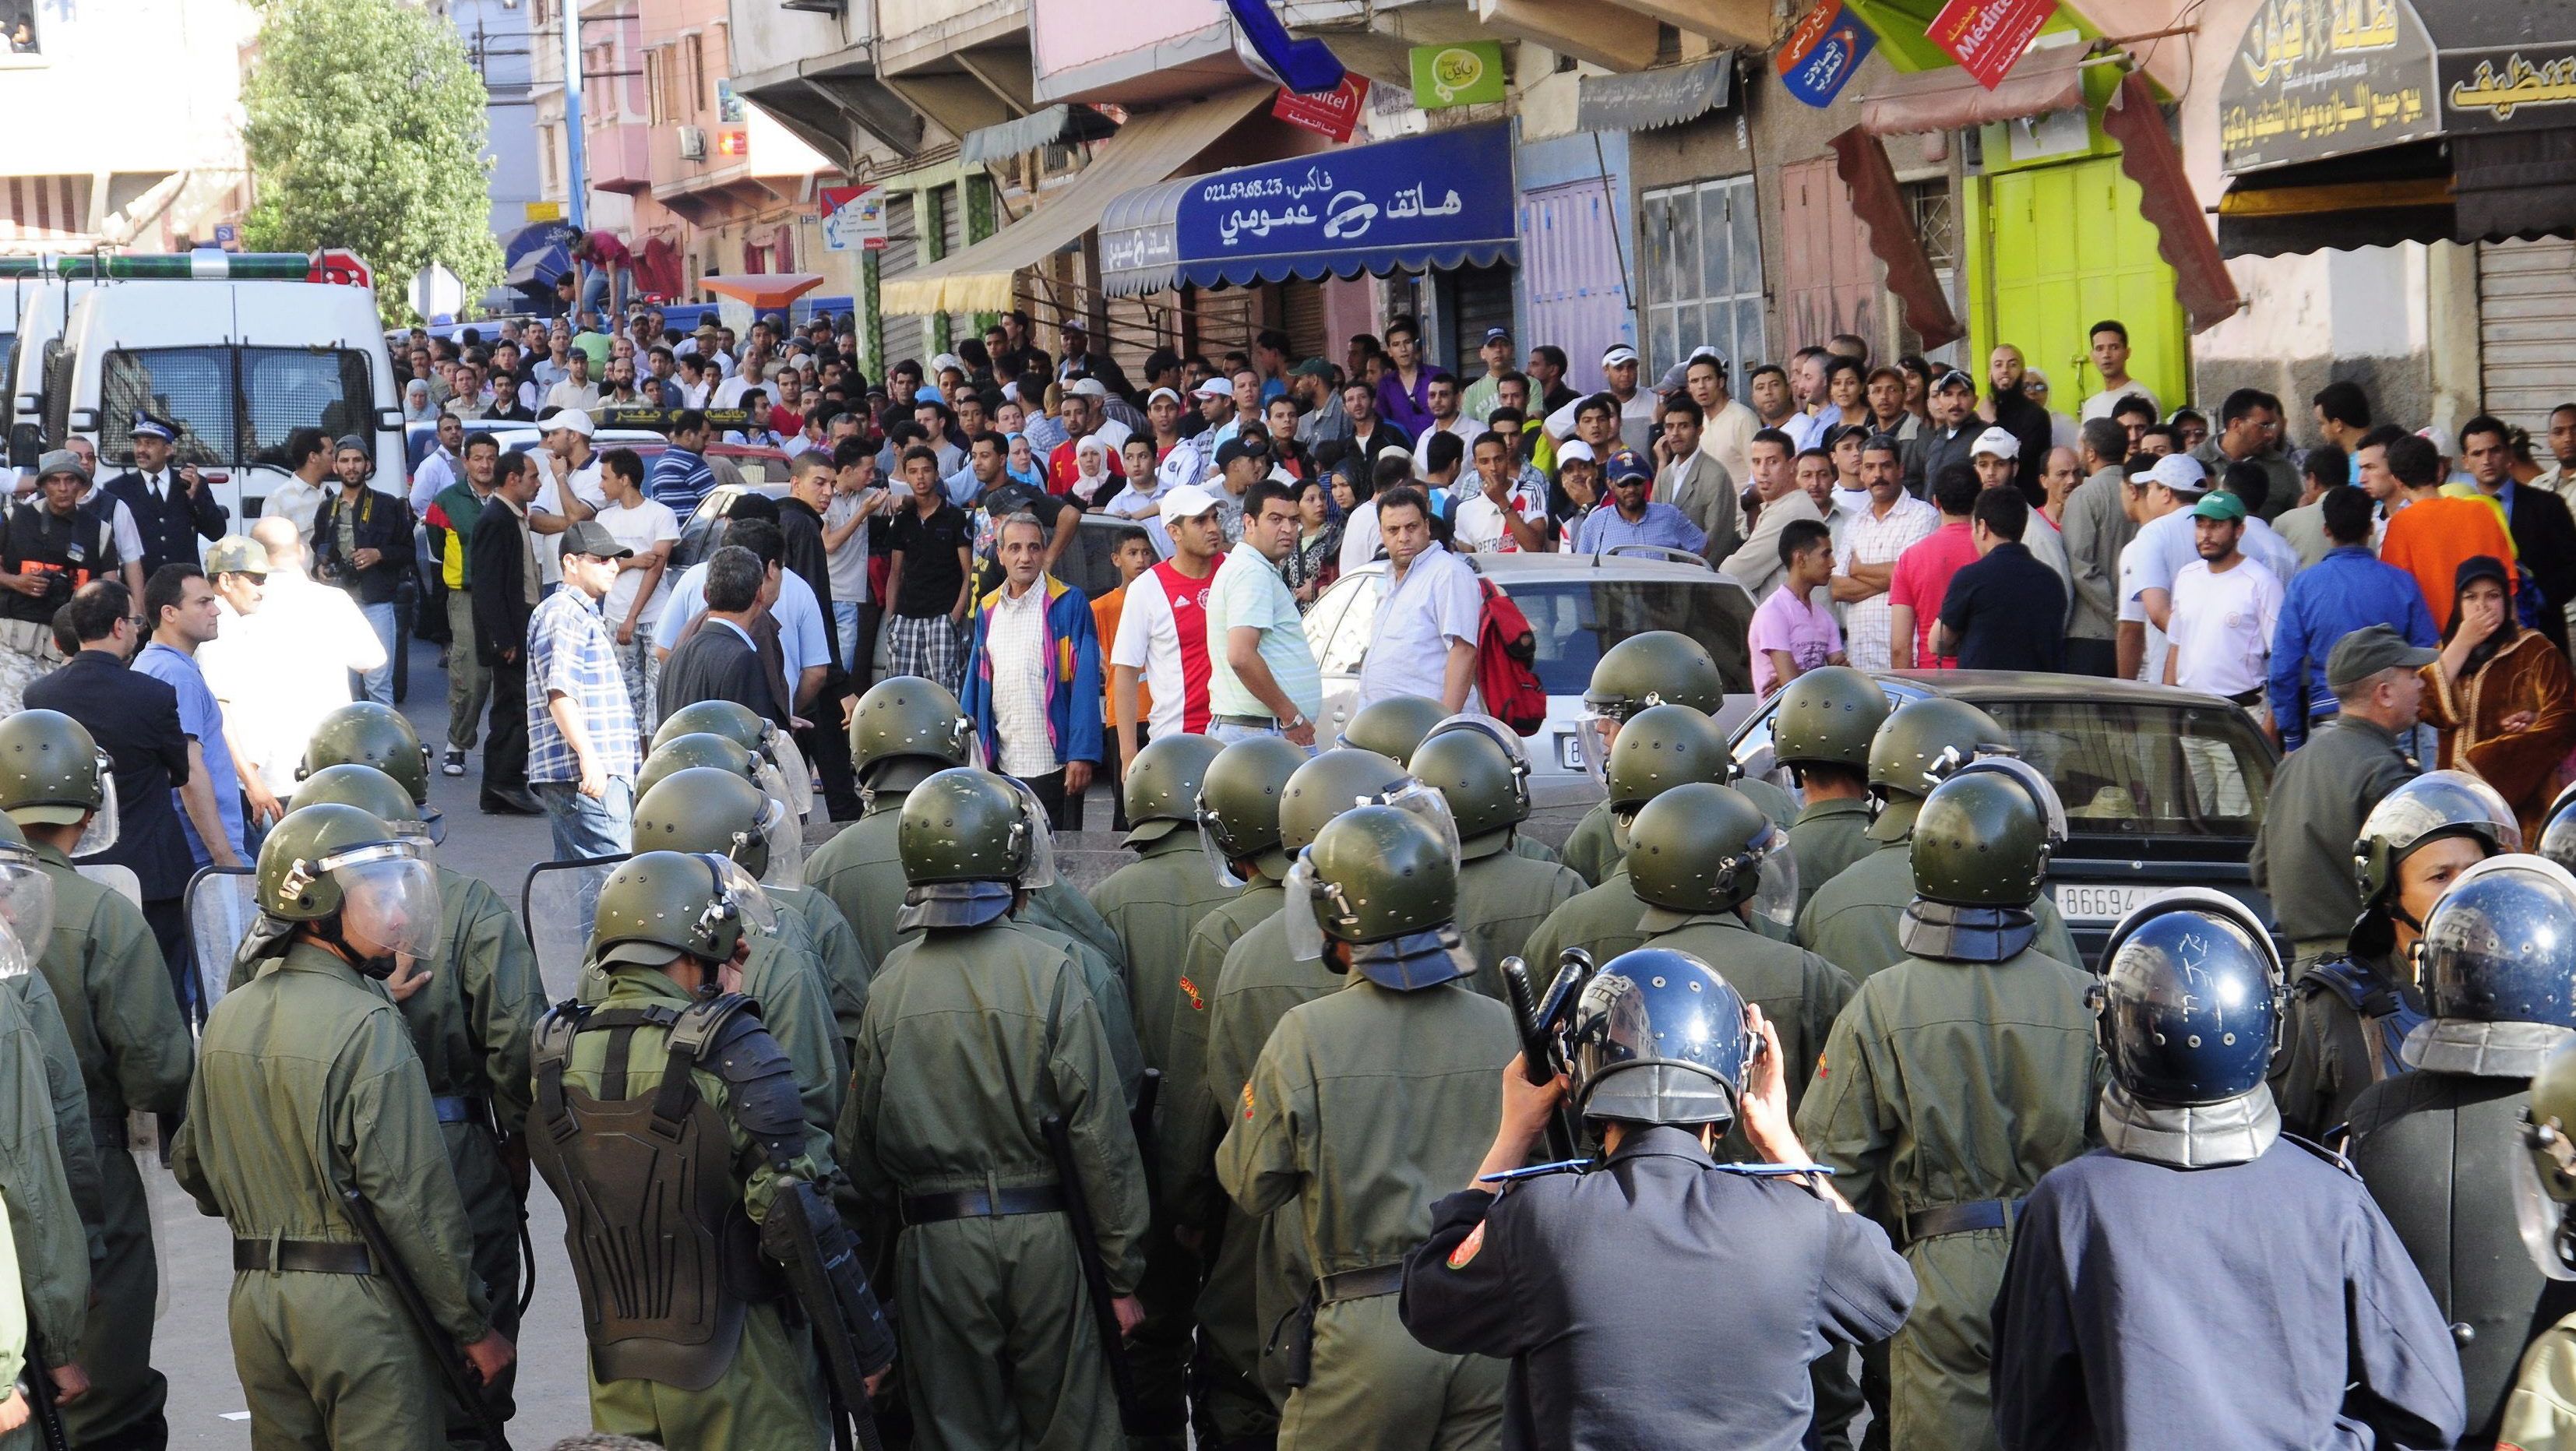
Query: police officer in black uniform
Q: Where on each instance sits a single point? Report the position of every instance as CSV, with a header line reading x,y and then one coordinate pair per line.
x,y
2204,1282
1565,1273
2439,1146
2350,1012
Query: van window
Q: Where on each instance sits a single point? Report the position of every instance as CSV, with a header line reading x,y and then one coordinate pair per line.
x,y
1575,620
233,403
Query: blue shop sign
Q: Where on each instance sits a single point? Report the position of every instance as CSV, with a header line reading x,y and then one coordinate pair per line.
x,y
1433,201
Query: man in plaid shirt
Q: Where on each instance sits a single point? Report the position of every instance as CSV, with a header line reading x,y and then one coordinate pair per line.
x,y
1872,537
582,748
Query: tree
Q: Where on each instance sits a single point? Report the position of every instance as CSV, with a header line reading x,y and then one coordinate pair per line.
x,y
365,130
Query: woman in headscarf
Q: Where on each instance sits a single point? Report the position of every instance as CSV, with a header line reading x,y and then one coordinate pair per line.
x,y
416,405
1092,486
1020,462
2501,696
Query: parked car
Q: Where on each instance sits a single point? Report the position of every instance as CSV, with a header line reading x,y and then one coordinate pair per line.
x,y
1578,606
2162,787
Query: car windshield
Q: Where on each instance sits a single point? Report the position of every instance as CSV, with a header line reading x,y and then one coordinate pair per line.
x,y
231,403
2136,769
1576,619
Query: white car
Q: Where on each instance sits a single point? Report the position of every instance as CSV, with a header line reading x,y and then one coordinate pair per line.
x,y
1578,606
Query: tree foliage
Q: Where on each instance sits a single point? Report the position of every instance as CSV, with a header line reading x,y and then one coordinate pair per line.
x,y
365,130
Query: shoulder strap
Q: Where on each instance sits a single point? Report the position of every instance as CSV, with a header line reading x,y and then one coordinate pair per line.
x,y
2322,1152
552,1050
695,1030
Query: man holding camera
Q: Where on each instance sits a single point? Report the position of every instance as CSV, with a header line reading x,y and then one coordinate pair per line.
x,y
50,545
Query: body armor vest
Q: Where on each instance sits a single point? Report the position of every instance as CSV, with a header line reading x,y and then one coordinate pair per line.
x,y
2386,1018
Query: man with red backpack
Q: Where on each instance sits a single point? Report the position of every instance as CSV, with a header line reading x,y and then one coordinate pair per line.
x,y
1429,616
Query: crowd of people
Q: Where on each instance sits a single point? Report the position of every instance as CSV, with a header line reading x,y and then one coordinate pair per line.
x,y
1261,1141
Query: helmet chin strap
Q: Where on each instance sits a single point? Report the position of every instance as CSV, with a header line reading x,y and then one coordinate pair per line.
x,y
329,931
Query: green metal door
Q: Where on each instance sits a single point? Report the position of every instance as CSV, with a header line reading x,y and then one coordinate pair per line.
x,y
2065,247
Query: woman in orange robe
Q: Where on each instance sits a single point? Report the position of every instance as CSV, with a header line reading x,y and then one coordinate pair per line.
x,y
2501,696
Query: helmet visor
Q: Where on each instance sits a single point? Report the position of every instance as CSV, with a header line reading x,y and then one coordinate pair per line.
x,y
738,894
389,901
1426,805
27,904
103,828
1037,862
2541,1217
784,835
1214,849
1592,737
15,961
1297,914
783,774
2438,801
1776,896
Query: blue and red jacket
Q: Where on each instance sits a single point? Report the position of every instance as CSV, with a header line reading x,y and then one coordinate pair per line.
x,y
1071,642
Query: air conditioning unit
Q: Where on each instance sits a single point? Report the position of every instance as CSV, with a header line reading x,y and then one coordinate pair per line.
x,y
693,143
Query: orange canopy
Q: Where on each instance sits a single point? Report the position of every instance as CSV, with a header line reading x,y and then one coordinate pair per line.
x,y
763,290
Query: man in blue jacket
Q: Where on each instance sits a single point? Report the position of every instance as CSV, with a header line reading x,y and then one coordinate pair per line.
x,y
1033,676
2330,599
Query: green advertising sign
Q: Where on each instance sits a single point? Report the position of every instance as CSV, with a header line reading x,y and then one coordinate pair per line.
x,y
1466,73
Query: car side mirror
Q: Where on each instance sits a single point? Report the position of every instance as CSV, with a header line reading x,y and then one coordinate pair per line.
x,y
389,420
26,444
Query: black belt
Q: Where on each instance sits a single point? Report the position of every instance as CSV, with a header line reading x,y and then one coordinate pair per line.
x,y
457,1108
1360,1284
1925,1224
981,1204
1250,722
314,1256
2249,698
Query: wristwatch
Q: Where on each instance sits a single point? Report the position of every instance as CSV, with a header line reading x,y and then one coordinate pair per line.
x,y
1290,725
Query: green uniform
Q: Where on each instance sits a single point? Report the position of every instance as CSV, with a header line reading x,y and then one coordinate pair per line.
x,y
1059,906
1525,845
62,1065
1948,1084
973,1035
846,965
311,1086
1851,922
1602,921
1108,995
1798,991
780,974
135,1053
1776,803
770,1396
2303,851
45,1227
1502,898
2540,1414
1365,1106
1827,837
1590,848
1153,904
859,871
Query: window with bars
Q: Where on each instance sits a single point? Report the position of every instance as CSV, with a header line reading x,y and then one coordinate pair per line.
x,y
1701,266
1935,210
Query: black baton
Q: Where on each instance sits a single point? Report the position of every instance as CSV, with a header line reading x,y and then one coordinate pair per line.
x,y
1095,1275
451,1359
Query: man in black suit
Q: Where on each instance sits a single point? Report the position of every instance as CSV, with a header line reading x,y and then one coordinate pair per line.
x,y
503,569
135,719
2544,533
169,505
718,659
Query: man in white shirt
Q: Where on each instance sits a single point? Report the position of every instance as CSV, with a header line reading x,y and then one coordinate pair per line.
x,y
1442,398
2224,614
570,491
1726,426
1428,614
1756,564
1865,557
1506,515
858,496
299,498
437,468
2110,341
634,602
577,390
2162,546
1996,456
1110,431
1638,407
1162,637
1261,672
291,660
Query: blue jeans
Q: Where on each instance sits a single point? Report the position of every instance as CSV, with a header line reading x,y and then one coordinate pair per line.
x,y
585,828
378,684
845,625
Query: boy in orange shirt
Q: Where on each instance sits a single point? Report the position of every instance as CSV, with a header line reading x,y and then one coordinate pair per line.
x,y
1133,554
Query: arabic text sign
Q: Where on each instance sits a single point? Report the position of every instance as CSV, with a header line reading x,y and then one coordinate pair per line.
x,y
1986,36
2313,79
1823,52
2509,88
1361,209
853,218
1464,73
1334,113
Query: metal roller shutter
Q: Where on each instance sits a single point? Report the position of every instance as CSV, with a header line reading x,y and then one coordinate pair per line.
x,y
1303,303
945,201
903,333
2526,311
1483,300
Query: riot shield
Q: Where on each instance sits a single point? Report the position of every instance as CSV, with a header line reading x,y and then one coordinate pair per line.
x,y
555,909
222,906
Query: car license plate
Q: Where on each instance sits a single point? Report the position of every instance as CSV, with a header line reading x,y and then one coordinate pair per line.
x,y
2099,901
1569,750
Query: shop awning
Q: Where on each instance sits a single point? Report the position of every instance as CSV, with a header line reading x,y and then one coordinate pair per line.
x,y
1146,150
1433,201
763,292
1879,201
2150,158
1045,127
1644,100
2050,78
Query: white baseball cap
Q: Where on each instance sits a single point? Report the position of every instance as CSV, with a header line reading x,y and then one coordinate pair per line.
x,y
1159,394
1617,353
1188,501
945,361
1091,388
2179,472
1996,441
572,418
1577,449
1213,388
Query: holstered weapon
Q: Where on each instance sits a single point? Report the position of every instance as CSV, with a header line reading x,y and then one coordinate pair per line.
x,y
1095,1274
48,1416
806,1237
452,1368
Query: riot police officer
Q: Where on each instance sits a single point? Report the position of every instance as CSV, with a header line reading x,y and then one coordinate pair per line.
x,y
2541,1411
1705,862
2204,1279
109,983
704,809
1477,764
976,1035
1394,726
1853,921
277,1136
471,1006
1658,748
2499,962
27,910
1360,1097
1820,732
1596,1278
2350,1011
1981,1047
668,1123
902,730
44,1221
363,733
1656,667
703,748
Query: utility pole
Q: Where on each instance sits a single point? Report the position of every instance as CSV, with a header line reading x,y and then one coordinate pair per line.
x,y
576,186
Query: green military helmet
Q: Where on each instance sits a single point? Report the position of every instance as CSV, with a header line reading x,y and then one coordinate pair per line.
x,y
1329,785
236,554
711,809
906,727
1923,741
1828,717
1661,747
659,905
52,772
1162,787
1238,805
1699,847
1393,727
1980,841
1381,873
1485,780
732,720
369,790
967,839
693,750
296,880
364,733
1658,667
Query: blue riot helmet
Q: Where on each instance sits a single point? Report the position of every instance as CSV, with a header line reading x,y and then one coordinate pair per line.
x,y
1659,1038
2189,1005
2558,832
2500,947
2434,805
